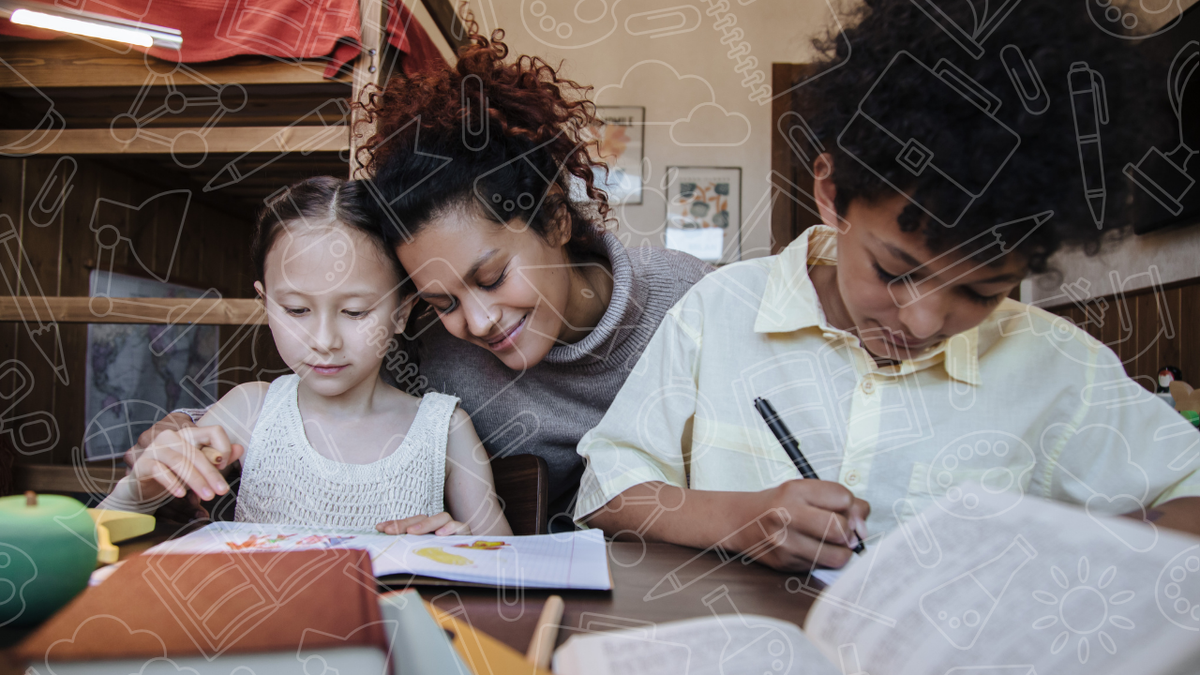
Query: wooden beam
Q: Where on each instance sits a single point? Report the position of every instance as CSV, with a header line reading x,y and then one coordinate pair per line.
x,y
447,22
70,62
193,141
99,478
170,311
368,72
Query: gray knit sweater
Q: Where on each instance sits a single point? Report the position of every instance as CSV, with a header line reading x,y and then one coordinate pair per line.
x,y
546,409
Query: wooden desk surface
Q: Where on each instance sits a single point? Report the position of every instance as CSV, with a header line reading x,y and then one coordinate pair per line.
x,y
752,589
509,615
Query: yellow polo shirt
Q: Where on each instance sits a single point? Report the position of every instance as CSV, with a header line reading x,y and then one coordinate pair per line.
x,y
1025,403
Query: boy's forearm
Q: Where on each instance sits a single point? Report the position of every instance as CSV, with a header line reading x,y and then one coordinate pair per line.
x,y
660,512
1181,514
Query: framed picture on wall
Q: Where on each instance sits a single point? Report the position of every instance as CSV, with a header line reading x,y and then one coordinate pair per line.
x,y
704,203
620,132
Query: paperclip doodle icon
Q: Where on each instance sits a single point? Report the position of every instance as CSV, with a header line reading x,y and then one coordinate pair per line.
x,y
1020,70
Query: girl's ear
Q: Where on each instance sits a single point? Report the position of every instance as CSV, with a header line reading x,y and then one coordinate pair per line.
x,y
400,316
262,292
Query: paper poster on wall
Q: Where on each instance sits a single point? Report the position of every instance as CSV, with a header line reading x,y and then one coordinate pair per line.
x,y
703,205
619,132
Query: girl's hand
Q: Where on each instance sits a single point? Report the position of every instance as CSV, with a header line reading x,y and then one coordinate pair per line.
x,y
179,461
442,524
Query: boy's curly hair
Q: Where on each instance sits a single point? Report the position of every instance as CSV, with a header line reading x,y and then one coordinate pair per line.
x,y
1042,174
504,138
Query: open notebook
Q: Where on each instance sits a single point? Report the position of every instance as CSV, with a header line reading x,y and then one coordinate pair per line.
x,y
1013,586
567,560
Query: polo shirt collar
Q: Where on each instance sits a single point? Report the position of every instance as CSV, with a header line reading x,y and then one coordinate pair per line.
x,y
790,303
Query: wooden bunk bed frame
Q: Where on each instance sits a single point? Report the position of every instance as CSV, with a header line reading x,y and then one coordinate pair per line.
x,y
78,64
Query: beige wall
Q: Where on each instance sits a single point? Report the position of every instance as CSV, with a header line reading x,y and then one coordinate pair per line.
x,y
1136,261
677,76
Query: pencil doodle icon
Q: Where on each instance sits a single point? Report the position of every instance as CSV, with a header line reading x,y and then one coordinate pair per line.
x,y
1164,176
702,567
329,119
20,279
1089,108
982,24
961,607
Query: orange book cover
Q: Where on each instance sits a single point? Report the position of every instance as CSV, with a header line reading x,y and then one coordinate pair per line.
x,y
208,605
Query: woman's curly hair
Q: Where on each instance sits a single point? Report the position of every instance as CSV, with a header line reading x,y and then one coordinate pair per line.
x,y
1042,174
505,138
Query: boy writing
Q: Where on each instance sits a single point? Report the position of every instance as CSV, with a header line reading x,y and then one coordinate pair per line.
x,y
885,337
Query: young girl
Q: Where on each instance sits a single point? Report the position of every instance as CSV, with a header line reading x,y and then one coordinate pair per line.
x,y
331,445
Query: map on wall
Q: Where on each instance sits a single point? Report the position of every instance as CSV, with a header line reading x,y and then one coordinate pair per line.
x,y
136,372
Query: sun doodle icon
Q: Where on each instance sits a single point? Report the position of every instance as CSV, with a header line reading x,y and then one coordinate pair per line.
x,y
1083,610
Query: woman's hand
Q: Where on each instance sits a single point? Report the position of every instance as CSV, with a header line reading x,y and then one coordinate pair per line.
x,y
442,524
189,459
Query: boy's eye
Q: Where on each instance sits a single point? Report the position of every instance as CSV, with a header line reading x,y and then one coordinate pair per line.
x,y
982,299
883,275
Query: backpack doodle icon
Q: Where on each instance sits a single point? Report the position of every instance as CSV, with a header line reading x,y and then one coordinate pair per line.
x,y
883,135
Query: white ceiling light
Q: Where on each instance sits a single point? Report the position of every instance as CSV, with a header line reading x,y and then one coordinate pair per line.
x,y
90,24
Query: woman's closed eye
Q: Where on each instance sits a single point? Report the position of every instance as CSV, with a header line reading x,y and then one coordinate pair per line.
x,y
295,311
356,313
495,284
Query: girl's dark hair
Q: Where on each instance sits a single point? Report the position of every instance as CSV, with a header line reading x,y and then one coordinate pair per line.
x,y
1042,174
321,199
505,139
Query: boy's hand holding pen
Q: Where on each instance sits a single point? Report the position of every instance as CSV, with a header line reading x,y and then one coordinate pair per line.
x,y
855,521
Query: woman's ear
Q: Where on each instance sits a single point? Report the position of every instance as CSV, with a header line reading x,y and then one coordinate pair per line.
x,y
824,190
262,292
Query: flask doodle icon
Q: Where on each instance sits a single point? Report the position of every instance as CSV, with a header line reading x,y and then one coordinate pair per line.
x,y
961,607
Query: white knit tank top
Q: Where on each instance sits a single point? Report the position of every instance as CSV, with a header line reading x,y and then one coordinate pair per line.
x,y
285,480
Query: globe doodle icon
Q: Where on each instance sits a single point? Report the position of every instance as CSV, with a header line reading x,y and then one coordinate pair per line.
x,y
116,427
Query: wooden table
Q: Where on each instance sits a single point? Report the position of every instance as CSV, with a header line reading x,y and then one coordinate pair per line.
x,y
509,615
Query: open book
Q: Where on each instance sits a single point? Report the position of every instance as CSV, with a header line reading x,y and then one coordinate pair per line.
x,y
1023,587
567,560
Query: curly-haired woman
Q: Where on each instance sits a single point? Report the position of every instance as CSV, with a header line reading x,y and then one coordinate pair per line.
x,y
534,312
484,184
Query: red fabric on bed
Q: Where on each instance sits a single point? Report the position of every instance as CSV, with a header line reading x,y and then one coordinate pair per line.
x,y
219,29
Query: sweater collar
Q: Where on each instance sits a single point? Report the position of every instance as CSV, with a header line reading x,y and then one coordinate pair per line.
x,y
624,310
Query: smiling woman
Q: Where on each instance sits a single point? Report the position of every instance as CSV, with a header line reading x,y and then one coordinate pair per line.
x,y
483,183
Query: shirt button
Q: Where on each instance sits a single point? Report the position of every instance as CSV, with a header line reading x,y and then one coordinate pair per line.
x,y
868,386
852,477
